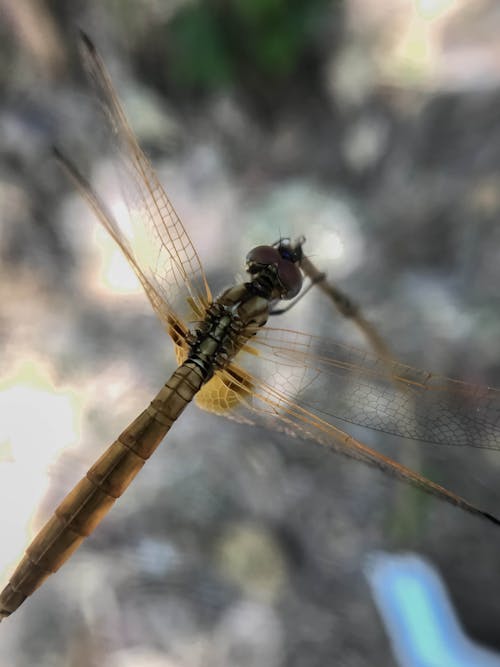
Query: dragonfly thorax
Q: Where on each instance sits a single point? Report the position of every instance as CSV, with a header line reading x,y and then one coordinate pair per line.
x,y
229,322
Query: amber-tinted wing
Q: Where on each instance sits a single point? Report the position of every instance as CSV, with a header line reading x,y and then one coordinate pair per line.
x,y
303,385
157,245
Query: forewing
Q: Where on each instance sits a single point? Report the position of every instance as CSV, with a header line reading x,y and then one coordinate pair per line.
x,y
253,400
341,382
161,247
177,328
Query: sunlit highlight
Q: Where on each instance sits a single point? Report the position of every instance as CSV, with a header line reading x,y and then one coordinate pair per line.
x,y
432,9
114,274
38,421
415,55
412,48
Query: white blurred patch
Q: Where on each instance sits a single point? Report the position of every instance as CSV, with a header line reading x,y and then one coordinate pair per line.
x,y
334,242
38,422
248,635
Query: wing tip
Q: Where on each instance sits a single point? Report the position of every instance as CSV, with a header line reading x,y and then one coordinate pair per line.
x,y
66,164
491,517
59,157
86,41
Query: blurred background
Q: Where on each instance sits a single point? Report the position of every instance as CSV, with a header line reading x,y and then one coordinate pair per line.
x,y
370,126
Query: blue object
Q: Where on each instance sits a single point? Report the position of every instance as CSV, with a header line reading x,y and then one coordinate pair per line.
x,y
421,623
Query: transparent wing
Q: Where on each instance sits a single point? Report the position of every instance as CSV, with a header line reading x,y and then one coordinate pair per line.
x,y
161,248
341,382
294,375
176,327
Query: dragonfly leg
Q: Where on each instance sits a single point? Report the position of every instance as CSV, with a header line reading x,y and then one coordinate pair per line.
x,y
346,307
280,311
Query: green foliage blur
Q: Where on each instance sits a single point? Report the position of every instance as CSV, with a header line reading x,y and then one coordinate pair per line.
x,y
218,43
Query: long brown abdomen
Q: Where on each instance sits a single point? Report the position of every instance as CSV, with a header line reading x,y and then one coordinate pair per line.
x,y
84,507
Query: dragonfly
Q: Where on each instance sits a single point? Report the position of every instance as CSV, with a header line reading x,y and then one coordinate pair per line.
x,y
232,363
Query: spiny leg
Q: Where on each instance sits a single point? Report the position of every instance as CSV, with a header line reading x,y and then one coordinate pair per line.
x,y
345,306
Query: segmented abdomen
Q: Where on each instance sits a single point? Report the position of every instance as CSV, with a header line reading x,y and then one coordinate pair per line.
x,y
84,507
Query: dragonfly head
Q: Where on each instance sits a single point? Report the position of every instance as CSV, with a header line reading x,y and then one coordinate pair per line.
x,y
282,259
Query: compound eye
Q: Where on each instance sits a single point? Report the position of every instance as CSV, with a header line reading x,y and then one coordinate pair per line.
x,y
264,255
290,277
